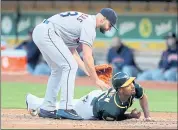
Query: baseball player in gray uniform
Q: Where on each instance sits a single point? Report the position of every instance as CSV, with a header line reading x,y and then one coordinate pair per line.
x,y
57,38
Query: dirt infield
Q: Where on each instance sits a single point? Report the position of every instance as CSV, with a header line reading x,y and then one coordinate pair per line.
x,y
20,119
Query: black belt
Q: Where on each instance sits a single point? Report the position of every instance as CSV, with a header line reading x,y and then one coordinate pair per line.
x,y
46,21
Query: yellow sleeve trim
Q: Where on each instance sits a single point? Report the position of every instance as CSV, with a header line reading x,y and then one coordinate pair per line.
x,y
142,95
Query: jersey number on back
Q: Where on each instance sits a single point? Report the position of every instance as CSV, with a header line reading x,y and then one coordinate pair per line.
x,y
80,18
65,14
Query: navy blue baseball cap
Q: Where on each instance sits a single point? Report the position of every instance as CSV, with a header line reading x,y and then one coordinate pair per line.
x,y
110,15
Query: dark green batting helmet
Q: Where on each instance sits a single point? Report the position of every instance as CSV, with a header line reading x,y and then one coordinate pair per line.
x,y
120,80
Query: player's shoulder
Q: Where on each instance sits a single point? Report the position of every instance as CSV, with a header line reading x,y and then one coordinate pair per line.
x,y
90,20
78,12
139,91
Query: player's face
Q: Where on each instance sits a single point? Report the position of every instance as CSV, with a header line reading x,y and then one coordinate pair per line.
x,y
105,26
129,90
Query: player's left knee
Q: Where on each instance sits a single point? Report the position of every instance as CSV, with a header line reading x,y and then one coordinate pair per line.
x,y
72,67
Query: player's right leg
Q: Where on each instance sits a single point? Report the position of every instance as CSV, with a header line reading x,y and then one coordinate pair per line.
x,y
51,55
63,71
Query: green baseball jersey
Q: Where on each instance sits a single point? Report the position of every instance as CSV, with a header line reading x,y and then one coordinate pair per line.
x,y
109,107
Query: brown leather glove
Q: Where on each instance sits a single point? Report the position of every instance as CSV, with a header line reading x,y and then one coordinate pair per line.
x,y
104,72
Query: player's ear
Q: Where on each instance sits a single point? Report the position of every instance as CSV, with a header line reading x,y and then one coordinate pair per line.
x,y
105,20
102,20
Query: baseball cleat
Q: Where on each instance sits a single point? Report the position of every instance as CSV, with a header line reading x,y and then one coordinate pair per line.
x,y
31,111
68,114
48,114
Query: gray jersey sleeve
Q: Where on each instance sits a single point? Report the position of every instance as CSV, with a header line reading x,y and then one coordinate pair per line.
x,y
88,33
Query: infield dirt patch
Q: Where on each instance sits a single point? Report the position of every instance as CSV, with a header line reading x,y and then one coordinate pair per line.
x,y
20,119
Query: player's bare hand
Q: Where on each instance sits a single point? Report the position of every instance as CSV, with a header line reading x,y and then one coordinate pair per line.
x,y
135,114
149,119
102,85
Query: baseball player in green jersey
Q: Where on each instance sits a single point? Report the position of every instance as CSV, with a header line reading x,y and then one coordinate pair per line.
x,y
107,105
113,104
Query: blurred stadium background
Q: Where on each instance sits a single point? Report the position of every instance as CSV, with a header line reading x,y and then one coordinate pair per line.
x,y
142,25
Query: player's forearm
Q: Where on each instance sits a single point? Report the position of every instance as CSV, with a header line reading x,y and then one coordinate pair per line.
x,y
89,65
80,62
82,66
144,105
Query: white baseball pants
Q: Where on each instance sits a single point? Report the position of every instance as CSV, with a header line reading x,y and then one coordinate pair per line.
x,y
82,106
63,67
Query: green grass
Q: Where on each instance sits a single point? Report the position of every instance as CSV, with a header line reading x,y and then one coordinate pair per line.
x,y
13,96
160,101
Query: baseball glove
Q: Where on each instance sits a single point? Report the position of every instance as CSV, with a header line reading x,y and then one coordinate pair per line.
x,y
104,72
